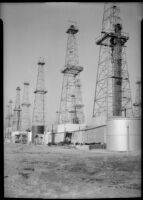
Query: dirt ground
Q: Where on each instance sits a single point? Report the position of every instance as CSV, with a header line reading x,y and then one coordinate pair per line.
x,y
65,172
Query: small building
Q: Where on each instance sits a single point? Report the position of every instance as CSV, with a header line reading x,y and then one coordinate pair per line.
x,y
22,137
15,136
68,130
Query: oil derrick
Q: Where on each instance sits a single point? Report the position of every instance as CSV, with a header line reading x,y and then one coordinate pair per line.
x,y
9,118
38,121
112,91
137,104
6,116
6,121
6,124
17,112
71,107
9,114
25,116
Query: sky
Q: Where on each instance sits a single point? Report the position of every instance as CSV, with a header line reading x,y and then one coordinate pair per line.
x,y
33,30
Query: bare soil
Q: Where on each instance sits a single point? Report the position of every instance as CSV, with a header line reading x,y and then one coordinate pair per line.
x,y
65,172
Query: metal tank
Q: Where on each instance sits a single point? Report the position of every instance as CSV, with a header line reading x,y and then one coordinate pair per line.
x,y
37,130
124,134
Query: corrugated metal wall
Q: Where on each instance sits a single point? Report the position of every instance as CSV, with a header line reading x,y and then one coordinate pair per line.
x,y
96,135
92,135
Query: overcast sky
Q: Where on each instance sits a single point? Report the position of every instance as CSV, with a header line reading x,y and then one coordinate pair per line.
x,y
33,30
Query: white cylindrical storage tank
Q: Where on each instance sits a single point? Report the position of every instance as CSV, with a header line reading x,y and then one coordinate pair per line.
x,y
124,134
135,135
29,136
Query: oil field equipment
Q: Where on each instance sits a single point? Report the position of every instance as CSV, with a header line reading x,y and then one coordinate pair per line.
x,y
25,116
137,104
17,112
38,120
112,91
9,120
71,106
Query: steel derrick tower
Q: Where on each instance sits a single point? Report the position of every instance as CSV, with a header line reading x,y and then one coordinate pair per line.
x,y
25,115
71,107
8,119
112,91
17,112
9,114
38,120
